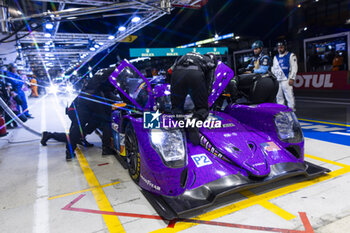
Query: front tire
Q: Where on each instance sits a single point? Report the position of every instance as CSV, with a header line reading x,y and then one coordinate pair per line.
x,y
132,153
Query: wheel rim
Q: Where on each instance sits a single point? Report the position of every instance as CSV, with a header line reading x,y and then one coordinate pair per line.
x,y
132,152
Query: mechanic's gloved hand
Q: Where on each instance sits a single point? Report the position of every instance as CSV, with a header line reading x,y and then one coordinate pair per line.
x,y
246,69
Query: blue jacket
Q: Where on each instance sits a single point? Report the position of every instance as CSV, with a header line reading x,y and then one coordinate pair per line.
x,y
15,80
260,63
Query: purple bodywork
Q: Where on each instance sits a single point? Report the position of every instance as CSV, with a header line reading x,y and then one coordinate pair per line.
x,y
253,152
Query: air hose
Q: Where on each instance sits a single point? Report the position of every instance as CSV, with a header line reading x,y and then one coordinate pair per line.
x,y
16,118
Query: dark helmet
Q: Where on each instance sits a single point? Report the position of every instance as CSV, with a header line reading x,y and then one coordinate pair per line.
x,y
212,57
257,44
11,65
281,43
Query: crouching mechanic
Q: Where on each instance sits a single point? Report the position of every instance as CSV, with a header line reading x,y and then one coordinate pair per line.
x,y
260,63
94,107
285,68
192,74
62,137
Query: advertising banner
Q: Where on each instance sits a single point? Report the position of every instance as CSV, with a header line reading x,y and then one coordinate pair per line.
x,y
334,80
169,52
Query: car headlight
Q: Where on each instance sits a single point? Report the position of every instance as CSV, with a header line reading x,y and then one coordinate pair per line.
x,y
288,127
170,145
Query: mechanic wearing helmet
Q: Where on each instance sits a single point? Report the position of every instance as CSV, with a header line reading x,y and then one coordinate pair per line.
x,y
260,63
192,74
17,83
285,68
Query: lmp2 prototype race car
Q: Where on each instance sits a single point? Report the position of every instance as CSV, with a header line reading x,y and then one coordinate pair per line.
x,y
255,145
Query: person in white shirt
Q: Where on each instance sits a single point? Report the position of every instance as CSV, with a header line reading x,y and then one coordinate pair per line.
x,y
285,68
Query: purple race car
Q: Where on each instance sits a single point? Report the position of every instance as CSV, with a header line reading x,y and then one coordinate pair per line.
x,y
256,145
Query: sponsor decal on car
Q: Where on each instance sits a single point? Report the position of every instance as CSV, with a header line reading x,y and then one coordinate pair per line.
x,y
270,146
201,160
149,183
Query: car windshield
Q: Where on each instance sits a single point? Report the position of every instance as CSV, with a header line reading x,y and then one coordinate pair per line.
x,y
133,85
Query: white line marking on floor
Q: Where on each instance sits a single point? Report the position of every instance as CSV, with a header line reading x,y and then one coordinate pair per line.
x,y
41,206
341,133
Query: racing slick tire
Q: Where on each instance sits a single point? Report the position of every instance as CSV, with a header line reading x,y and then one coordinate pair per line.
x,y
132,153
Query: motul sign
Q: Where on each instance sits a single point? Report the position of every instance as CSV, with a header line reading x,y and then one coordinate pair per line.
x,y
323,80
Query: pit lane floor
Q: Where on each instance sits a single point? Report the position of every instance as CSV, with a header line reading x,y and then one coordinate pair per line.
x,y
41,192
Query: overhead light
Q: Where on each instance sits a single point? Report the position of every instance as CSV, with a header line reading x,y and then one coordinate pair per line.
x,y
96,46
72,17
237,37
111,37
216,42
90,75
47,49
305,28
299,5
121,28
75,72
48,42
71,9
19,46
100,43
47,35
49,26
199,45
92,49
135,19
347,21
216,35
90,68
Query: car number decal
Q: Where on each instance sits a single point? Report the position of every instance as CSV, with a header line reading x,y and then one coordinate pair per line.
x,y
201,160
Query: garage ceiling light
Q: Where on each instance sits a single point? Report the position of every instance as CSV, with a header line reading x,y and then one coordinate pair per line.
x,y
47,35
121,28
49,26
111,37
135,19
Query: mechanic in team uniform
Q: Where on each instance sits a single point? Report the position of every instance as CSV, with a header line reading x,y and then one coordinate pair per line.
x,y
260,63
62,137
94,107
257,84
285,68
17,84
192,74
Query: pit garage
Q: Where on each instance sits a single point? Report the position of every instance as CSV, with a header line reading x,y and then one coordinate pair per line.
x,y
258,165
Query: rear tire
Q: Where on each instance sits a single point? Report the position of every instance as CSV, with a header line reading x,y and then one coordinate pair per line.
x,y
132,153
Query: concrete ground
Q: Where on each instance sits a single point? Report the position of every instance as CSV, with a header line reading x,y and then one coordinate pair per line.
x,y
40,192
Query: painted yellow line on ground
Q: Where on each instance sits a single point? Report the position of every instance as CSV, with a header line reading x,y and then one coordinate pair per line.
x,y
269,206
220,212
112,221
324,122
82,191
327,161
